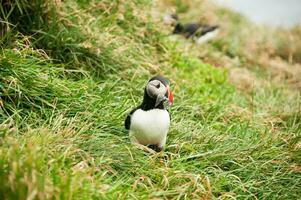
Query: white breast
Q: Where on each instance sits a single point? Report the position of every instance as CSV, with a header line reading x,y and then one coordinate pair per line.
x,y
150,127
207,37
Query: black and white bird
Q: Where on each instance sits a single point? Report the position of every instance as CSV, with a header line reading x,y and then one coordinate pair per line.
x,y
148,124
201,33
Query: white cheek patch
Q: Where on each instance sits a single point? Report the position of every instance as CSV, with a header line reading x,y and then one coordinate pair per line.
x,y
155,92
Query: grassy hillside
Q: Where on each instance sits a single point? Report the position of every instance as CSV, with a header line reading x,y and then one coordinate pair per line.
x,y
70,72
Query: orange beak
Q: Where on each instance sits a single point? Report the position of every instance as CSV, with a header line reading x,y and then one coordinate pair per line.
x,y
170,96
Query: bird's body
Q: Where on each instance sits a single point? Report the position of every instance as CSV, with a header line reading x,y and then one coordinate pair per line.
x,y
150,127
148,124
199,32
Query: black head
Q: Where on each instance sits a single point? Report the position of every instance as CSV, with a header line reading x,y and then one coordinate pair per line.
x,y
157,92
160,78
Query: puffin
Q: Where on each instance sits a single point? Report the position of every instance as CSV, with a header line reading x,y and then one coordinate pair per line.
x,y
201,33
148,123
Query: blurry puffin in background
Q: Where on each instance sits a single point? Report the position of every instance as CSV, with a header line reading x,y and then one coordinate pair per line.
x,y
148,124
201,33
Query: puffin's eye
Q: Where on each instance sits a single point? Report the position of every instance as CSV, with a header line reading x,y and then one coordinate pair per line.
x,y
158,85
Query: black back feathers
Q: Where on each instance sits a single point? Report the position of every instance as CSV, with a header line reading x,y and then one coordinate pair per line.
x,y
193,29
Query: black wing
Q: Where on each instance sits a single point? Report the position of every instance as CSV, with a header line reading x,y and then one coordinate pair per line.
x,y
191,29
127,122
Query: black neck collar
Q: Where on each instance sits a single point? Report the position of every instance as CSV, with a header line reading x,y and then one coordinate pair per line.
x,y
149,103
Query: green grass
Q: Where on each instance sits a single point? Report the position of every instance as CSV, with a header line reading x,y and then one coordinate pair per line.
x,y
69,78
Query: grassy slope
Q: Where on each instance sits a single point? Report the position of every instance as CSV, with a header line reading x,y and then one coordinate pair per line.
x,y
66,89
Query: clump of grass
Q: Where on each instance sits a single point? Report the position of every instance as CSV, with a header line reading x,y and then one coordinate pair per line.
x,y
61,30
28,81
